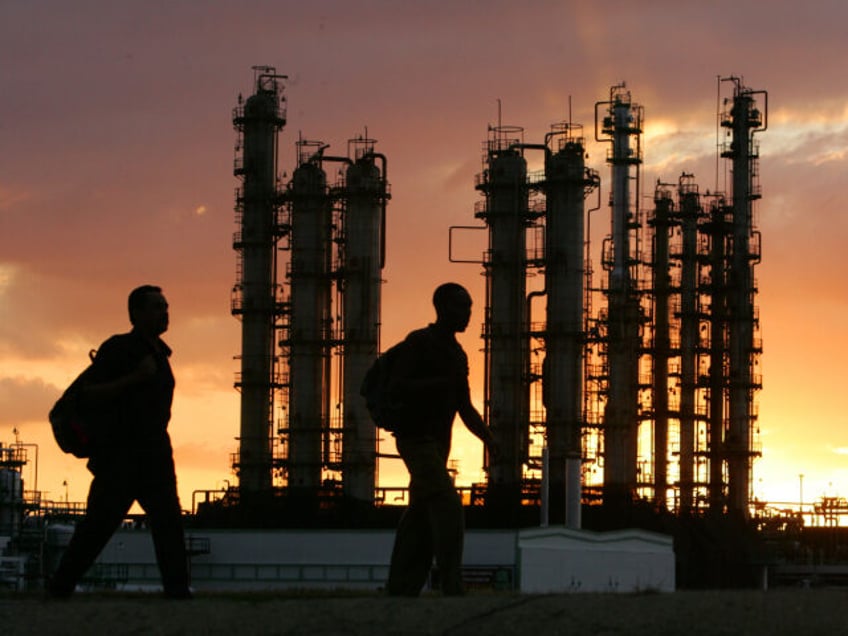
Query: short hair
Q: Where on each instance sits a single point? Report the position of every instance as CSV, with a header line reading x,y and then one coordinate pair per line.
x,y
138,297
447,292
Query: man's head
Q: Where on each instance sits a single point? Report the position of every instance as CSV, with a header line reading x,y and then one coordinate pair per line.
x,y
453,306
148,310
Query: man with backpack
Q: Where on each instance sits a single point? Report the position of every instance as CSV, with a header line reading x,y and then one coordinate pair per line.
x,y
130,386
429,377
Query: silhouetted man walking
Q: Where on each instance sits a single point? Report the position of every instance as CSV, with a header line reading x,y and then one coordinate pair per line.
x,y
131,386
431,377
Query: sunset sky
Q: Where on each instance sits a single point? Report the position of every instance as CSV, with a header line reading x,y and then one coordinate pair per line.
x,y
116,157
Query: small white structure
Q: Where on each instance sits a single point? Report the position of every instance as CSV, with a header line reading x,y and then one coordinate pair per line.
x,y
565,560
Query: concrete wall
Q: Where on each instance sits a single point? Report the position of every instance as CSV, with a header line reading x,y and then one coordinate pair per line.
x,y
280,559
537,560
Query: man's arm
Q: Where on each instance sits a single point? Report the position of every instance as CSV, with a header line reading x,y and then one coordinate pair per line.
x,y
473,421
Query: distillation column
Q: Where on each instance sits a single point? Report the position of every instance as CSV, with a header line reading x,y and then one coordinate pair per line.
x,y
568,182
717,375
258,122
622,125
689,213
507,400
366,194
744,121
310,322
662,224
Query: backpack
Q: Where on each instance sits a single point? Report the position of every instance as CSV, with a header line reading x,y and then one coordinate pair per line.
x,y
73,424
387,411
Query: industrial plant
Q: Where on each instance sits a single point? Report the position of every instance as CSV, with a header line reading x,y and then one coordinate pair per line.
x,y
634,383
621,376
310,255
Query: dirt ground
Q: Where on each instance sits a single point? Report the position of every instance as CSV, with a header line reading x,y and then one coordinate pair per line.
x,y
799,612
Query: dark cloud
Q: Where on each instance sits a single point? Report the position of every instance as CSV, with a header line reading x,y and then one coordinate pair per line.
x,y
25,400
40,312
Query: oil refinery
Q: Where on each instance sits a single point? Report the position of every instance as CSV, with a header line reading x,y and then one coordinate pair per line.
x,y
650,398
620,380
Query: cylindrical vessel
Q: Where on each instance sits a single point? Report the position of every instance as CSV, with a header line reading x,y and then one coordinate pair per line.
x,y
309,326
507,365
258,122
365,195
563,369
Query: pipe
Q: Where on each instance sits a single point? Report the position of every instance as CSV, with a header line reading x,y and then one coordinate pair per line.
x,y
382,158
545,487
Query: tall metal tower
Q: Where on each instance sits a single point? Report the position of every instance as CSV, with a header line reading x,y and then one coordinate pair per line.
x,y
662,222
307,340
691,410
507,359
567,183
718,229
337,247
622,128
743,119
363,247
257,121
